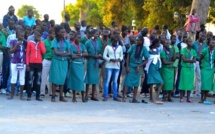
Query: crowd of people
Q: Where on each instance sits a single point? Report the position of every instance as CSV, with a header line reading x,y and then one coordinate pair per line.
x,y
44,57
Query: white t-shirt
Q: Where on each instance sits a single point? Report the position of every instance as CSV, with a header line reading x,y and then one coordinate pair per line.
x,y
146,42
113,53
183,45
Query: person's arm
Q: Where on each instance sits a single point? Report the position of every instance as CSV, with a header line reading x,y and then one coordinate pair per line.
x,y
127,65
200,61
166,62
5,21
105,57
42,48
121,55
13,48
28,55
188,60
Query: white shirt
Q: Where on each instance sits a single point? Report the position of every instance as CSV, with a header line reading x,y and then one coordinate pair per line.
x,y
183,45
146,42
113,53
10,38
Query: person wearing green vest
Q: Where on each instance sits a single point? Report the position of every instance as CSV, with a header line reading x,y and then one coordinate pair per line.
x,y
168,57
2,47
188,56
207,59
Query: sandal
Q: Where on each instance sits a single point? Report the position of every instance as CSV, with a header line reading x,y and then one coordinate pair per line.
x,y
134,101
189,101
181,100
105,99
123,100
158,102
62,99
170,100
207,102
143,101
53,99
74,100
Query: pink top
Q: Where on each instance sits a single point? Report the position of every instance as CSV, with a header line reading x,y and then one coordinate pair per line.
x,y
192,23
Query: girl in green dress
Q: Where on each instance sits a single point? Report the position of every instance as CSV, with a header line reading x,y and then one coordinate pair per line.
x,y
92,74
207,70
168,57
153,70
136,58
188,56
76,69
59,65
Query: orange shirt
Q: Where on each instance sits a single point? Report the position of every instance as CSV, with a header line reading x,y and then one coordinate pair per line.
x,y
34,52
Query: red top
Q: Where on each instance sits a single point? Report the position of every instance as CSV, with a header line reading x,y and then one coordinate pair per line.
x,y
34,52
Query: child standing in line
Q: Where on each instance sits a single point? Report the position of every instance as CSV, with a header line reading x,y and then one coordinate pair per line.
x,y
168,57
153,70
188,56
207,70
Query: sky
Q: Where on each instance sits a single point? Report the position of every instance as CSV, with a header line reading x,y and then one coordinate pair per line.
x,y
51,7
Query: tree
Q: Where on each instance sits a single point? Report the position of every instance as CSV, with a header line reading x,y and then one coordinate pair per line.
x,y
202,7
23,11
73,11
211,13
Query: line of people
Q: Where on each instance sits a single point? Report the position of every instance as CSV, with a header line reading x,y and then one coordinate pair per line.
x,y
38,55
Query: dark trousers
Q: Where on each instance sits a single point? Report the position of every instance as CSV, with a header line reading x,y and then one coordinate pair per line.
x,y
5,70
178,79
34,74
145,86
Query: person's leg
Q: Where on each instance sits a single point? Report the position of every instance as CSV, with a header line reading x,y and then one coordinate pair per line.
x,y
53,92
188,96
202,96
158,92
45,72
38,73
205,95
86,93
5,72
107,82
13,80
145,86
30,82
164,96
22,81
94,98
119,75
115,73
82,96
170,96
198,78
74,96
135,94
61,94
178,80
124,93
151,93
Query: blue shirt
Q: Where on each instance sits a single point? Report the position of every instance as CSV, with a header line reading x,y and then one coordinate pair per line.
x,y
8,17
29,21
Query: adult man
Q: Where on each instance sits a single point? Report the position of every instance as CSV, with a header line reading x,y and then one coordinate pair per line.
x,y
29,20
66,23
46,20
10,16
78,31
83,25
198,46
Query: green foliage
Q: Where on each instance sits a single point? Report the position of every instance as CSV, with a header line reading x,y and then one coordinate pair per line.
x,y
23,11
211,13
73,11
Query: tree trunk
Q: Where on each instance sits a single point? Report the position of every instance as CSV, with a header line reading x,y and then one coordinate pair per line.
x,y
83,12
202,7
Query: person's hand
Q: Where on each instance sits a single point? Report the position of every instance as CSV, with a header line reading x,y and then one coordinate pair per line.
x,y
112,60
28,68
118,60
99,56
137,69
127,70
